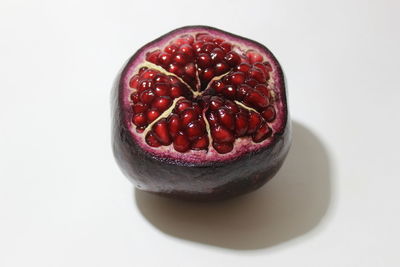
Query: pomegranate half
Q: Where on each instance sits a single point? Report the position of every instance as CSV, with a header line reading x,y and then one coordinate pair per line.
x,y
200,114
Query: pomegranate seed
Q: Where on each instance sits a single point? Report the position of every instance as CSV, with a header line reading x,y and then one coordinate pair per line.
x,y
200,35
194,130
183,104
188,37
241,124
164,59
203,60
218,86
187,50
217,54
221,67
208,47
139,119
181,41
197,46
232,106
215,103
180,59
212,119
174,68
262,89
204,37
162,89
268,114
161,132
268,66
251,82
173,79
174,124
151,140
226,118
243,67
229,91
148,74
208,39
152,114
242,91
142,69
222,135
237,78
153,56
226,79
135,97
189,115
140,107
197,108
176,91
190,70
147,96
254,57
267,76
257,74
262,67
232,58
181,143
200,143
133,83
226,46
140,129
207,74
262,133
162,103
202,124
161,78
223,148
217,41
170,49
256,98
145,84
254,122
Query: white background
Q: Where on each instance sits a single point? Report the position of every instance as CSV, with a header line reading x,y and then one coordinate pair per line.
x,y
64,202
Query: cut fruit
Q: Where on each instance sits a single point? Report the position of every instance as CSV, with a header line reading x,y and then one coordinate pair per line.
x,y
204,111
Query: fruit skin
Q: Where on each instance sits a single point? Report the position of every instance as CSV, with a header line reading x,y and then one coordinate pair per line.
x,y
195,181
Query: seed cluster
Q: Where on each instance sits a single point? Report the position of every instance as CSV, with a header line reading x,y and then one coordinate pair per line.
x,y
184,127
229,121
203,57
235,101
154,93
247,83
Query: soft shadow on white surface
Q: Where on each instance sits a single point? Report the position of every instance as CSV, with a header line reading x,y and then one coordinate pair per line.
x,y
290,205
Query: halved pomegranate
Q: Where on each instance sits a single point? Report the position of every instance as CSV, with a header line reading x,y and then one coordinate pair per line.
x,y
201,114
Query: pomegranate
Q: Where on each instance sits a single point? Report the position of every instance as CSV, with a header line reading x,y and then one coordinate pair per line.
x,y
200,114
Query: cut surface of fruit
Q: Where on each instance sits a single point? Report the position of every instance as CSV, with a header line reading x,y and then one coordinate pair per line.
x,y
202,95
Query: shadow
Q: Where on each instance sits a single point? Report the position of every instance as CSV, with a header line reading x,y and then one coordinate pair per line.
x,y
289,206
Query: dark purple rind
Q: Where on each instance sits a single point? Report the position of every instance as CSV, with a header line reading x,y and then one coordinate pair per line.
x,y
192,181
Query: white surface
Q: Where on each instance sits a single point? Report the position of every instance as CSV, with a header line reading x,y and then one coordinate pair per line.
x,y
64,202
